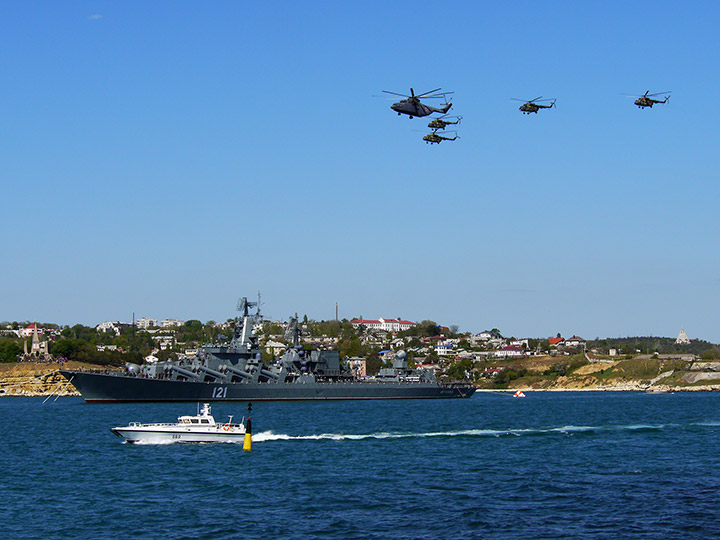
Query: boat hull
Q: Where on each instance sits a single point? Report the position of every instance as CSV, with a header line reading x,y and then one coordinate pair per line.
x,y
108,388
140,435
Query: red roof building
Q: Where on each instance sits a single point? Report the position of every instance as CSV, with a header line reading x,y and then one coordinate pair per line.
x,y
389,325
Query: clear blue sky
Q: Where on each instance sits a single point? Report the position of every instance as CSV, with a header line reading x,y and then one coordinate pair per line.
x,y
165,158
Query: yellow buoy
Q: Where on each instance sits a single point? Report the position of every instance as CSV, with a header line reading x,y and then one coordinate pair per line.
x,y
247,443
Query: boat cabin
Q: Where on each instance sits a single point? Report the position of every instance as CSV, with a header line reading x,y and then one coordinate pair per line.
x,y
204,417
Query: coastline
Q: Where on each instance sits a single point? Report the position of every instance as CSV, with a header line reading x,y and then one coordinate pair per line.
x,y
30,379
620,388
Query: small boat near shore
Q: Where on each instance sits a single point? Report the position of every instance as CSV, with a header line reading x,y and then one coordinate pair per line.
x,y
199,428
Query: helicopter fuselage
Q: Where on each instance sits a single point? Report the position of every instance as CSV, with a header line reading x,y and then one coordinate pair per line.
x,y
434,138
531,107
645,101
415,108
440,124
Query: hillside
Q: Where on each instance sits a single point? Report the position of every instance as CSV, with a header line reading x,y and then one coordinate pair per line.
x,y
38,379
581,372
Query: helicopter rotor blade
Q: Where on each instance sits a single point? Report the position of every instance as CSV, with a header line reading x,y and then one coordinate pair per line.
x,y
657,94
438,95
426,94
396,94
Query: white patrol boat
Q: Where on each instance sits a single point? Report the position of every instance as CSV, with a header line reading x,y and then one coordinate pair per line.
x,y
200,428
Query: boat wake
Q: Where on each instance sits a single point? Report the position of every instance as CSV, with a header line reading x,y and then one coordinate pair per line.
x,y
270,436
267,436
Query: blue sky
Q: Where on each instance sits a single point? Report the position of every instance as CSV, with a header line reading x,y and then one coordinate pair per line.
x,y
165,158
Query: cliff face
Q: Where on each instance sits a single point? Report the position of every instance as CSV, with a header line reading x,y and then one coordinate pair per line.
x,y
35,379
643,373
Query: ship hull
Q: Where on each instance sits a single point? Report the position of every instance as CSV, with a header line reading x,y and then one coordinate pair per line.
x,y
106,388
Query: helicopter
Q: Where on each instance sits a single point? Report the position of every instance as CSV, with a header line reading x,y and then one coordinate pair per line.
x,y
646,99
434,138
534,105
413,107
439,123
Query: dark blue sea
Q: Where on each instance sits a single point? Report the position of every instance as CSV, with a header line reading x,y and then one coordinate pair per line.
x,y
552,465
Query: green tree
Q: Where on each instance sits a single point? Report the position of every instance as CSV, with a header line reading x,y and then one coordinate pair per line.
x,y
457,369
9,351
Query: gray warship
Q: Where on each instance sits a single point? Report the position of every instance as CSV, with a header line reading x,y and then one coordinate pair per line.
x,y
236,372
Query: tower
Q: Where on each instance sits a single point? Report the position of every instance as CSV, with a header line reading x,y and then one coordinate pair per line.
x,y
682,338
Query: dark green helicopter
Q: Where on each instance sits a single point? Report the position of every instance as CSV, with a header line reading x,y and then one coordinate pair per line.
x,y
439,123
646,99
534,105
434,138
413,107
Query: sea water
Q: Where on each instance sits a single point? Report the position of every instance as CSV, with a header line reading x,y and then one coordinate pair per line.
x,y
550,465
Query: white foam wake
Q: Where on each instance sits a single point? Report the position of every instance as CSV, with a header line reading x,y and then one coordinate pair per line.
x,y
269,436
266,436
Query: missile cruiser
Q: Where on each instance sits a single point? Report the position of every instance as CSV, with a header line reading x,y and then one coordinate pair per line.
x,y
236,372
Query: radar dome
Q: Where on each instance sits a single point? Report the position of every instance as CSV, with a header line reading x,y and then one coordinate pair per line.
x,y
402,355
132,368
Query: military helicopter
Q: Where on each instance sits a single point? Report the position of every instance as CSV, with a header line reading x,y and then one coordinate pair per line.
x,y
534,105
646,99
434,138
439,123
413,107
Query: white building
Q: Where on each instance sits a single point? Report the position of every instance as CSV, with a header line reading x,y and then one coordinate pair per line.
x,y
444,349
146,322
169,323
275,347
164,342
112,326
511,351
30,330
575,342
388,325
